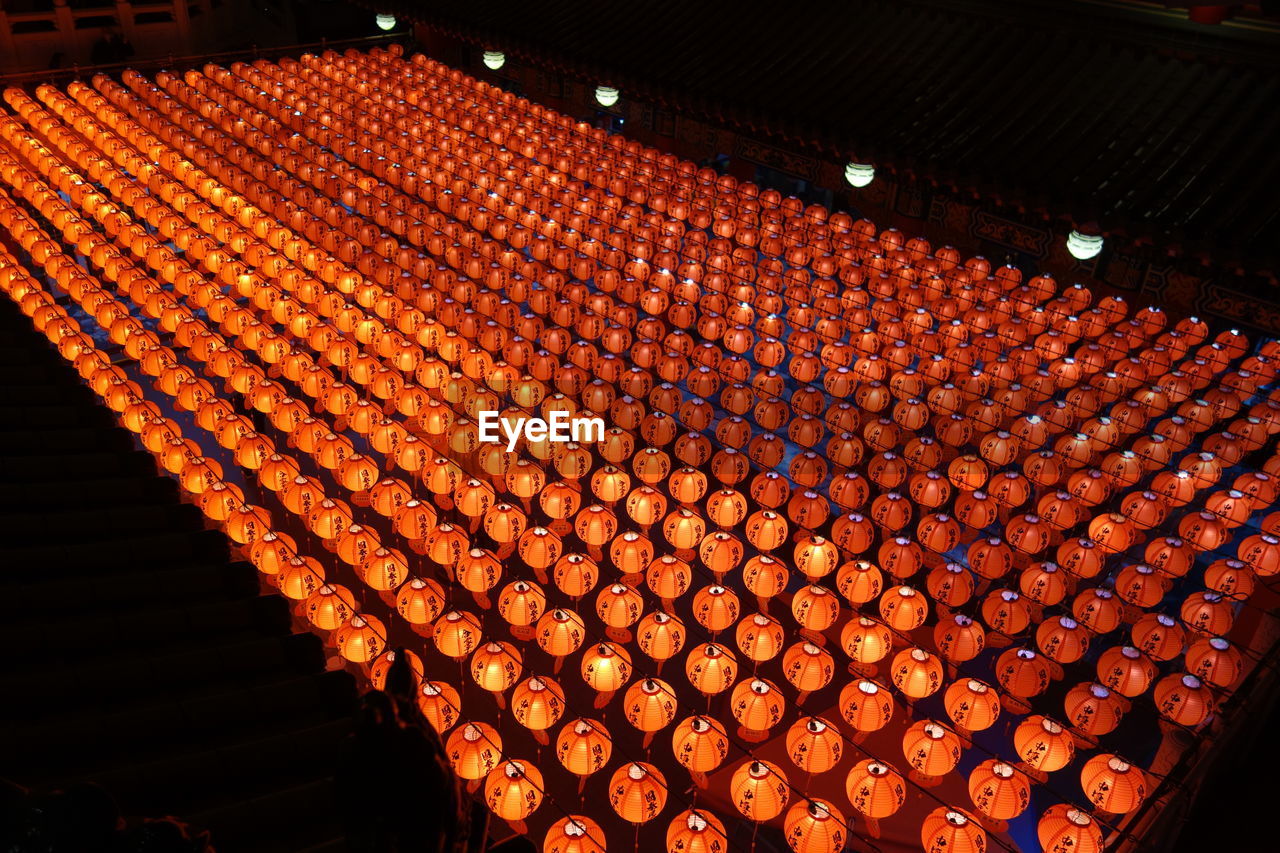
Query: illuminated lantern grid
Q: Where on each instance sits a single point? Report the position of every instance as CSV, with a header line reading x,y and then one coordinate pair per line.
x,y
850,482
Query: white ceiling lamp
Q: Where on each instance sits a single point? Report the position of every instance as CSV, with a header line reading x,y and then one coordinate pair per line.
x,y
1084,245
606,96
494,59
859,174
385,21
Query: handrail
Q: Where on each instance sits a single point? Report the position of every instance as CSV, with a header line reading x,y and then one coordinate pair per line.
x,y
1260,688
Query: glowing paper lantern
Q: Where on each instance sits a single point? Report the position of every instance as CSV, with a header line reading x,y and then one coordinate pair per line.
x,y
514,791
559,633
760,637
917,673
700,744
696,831
637,792
931,749
361,638
474,750
660,636
808,667
998,790
650,705
972,705
758,705
710,668
537,704
949,830
606,667
1043,744
1216,661
1113,784
574,834
1183,699
440,703
814,826
876,790
759,790
1093,710
814,745
584,747
1063,828
866,705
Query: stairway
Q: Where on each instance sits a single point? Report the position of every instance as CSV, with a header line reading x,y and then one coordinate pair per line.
x,y
139,652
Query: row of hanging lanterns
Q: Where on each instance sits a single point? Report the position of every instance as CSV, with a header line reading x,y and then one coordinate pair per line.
x,y
1082,245
513,788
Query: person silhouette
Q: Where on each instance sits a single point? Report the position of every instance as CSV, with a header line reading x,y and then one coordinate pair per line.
x,y
394,783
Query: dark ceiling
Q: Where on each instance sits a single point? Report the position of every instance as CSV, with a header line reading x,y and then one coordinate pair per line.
x,y
1120,113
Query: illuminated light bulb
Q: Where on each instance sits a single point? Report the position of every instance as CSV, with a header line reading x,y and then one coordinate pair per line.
x,y
859,174
606,96
1084,246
